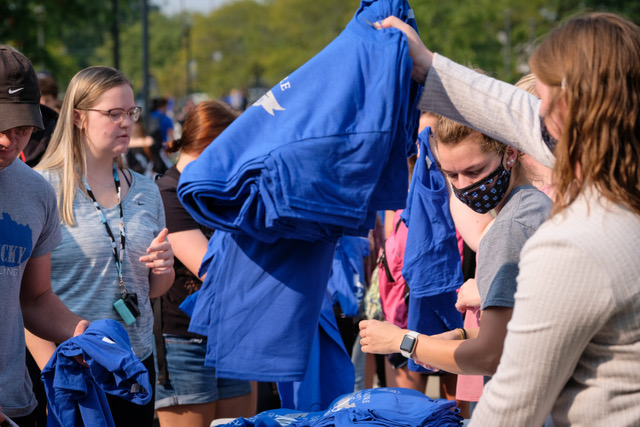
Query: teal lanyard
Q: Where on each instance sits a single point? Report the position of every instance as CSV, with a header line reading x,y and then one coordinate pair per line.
x,y
114,244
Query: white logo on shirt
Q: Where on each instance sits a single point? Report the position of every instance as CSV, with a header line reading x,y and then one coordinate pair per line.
x,y
269,103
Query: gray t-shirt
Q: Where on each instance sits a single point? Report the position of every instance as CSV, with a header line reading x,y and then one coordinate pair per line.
x,y
83,271
524,211
29,228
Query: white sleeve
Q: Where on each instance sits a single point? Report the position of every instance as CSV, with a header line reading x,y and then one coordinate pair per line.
x,y
492,107
554,318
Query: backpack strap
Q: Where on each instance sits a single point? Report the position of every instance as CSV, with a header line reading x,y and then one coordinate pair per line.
x,y
382,259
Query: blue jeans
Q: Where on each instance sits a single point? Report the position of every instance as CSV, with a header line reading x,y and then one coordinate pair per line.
x,y
189,381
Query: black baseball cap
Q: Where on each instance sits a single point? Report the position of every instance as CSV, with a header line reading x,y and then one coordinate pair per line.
x,y
19,91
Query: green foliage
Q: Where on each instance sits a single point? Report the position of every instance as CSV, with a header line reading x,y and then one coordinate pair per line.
x,y
259,42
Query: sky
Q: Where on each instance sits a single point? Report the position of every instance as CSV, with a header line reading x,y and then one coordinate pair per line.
x,y
171,7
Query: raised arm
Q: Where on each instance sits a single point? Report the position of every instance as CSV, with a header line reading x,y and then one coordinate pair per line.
x,y
492,107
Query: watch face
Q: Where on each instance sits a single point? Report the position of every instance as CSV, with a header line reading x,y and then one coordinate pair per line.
x,y
407,343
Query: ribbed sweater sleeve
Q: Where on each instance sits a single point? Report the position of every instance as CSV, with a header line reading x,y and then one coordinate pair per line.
x,y
498,109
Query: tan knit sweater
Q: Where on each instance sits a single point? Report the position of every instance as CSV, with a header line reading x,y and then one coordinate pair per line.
x,y
573,343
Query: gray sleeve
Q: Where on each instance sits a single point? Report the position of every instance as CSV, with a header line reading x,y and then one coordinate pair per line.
x,y
498,257
492,107
51,236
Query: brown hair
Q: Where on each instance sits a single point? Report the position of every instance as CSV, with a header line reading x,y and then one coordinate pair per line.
x,y
203,124
451,133
594,62
48,84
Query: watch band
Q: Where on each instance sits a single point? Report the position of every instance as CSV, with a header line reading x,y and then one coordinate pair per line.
x,y
408,345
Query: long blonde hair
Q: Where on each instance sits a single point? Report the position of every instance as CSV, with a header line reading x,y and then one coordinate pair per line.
x,y
594,62
66,151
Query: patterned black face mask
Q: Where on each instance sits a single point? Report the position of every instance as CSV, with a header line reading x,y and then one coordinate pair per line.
x,y
486,194
549,140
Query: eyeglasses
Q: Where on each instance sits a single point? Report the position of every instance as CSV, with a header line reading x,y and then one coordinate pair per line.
x,y
116,115
20,131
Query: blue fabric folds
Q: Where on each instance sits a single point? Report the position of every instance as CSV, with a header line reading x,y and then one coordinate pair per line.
x,y
432,265
76,393
324,149
393,407
346,283
259,305
431,260
387,407
431,316
311,161
330,372
275,418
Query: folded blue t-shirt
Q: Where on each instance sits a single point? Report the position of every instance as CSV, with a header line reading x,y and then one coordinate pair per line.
x,y
386,407
75,392
324,149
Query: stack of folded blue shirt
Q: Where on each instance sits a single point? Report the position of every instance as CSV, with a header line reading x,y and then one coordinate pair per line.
x,y
432,260
393,407
323,150
387,407
311,161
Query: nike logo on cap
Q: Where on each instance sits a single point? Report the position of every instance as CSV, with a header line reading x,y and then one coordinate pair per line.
x,y
12,91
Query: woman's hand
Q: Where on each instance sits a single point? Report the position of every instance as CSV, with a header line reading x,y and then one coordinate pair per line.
x,y
422,57
160,254
380,337
468,296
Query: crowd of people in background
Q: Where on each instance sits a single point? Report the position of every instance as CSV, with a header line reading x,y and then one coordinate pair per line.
x,y
540,181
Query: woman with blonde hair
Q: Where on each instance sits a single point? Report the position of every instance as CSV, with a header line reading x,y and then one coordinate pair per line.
x,y
573,341
114,255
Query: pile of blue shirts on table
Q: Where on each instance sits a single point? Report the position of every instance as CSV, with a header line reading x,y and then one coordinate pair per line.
x,y
393,407
313,160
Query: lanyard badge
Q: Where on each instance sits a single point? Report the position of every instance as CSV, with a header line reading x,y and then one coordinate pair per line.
x,y
127,304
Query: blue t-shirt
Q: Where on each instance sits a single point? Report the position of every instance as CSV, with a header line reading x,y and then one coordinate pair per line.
x,y
29,228
346,283
431,260
297,166
74,391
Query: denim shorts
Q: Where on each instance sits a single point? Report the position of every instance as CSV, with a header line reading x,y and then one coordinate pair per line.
x,y
189,381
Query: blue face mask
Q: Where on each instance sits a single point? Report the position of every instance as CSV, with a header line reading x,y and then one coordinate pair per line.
x,y
486,194
549,140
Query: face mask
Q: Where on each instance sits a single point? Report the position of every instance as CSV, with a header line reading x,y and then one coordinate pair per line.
x,y
486,194
549,140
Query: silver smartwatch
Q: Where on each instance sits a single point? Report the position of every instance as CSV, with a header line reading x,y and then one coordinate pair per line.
x,y
408,344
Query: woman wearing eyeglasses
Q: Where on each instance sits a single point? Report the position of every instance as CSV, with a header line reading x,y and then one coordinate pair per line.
x,y
114,255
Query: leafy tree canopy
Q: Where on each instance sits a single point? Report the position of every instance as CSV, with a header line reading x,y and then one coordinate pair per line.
x,y
258,42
